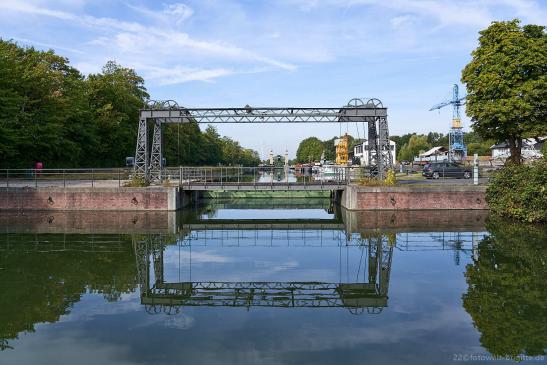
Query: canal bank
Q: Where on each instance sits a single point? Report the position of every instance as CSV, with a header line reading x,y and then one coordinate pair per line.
x,y
352,197
358,197
98,198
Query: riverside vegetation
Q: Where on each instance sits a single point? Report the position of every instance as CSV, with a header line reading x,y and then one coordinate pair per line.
x,y
50,112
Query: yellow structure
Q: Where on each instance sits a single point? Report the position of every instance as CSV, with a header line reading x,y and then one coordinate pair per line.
x,y
342,150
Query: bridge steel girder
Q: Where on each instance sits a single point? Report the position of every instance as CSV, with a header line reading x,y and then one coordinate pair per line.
x,y
156,156
159,296
372,112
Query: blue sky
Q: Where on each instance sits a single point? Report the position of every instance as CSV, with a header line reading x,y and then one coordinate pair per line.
x,y
275,53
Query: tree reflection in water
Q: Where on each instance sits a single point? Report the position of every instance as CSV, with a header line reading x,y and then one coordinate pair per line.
x,y
43,276
507,289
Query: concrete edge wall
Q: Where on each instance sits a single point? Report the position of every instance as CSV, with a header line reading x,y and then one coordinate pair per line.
x,y
121,199
356,197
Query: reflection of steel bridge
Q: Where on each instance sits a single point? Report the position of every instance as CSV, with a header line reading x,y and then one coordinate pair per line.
x,y
372,112
162,297
224,234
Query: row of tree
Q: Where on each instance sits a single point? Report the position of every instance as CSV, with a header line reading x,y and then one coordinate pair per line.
x,y
408,146
411,144
50,112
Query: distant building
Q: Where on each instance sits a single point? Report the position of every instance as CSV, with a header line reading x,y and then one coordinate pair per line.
x,y
531,149
360,152
435,154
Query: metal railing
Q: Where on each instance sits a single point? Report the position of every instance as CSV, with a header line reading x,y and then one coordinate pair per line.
x,y
219,176
107,177
227,175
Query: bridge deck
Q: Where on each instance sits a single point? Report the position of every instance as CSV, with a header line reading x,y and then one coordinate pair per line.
x,y
254,186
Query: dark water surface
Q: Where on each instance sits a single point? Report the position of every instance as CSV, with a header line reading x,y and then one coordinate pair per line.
x,y
272,283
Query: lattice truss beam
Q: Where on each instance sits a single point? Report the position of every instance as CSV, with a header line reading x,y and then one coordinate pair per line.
x,y
371,112
161,297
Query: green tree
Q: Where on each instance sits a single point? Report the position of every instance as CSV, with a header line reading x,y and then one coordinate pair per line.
x,y
416,144
507,84
519,192
506,289
400,141
183,144
41,282
476,144
43,111
310,149
212,147
437,139
115,97
49,112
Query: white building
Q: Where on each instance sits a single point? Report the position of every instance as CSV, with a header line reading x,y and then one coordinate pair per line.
x,y
531,149
435,154
360,152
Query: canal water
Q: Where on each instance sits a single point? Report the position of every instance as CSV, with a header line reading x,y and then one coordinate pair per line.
x,y
271,282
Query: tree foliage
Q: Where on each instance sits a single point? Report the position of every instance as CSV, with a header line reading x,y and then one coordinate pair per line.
x,y
42,283
309,150
506,289
474,142
50,112
416,144
507,84
520,192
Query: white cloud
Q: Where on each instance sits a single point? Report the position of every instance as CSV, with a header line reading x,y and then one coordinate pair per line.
x,y
180,11
164,54
207,256
180,321
402,21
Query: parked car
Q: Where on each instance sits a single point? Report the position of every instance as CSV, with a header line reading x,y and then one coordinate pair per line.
x,y
438,170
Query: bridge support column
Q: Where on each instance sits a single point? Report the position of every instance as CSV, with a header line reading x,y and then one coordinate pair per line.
x,y
156,157
372,147
141,151
385,160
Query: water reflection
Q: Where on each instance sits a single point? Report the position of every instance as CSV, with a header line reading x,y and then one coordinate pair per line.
x,y
508,289
222,263
42,276
368,294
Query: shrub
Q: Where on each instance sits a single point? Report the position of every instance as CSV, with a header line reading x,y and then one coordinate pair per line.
x,y
136,182
390,180
519,192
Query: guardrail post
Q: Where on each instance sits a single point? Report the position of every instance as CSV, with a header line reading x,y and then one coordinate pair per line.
x,y
64,179
119,178
92,178
475,169
35,179
7,178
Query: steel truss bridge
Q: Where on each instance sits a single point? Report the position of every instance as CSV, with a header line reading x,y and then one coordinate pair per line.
x,y
158,296
148,165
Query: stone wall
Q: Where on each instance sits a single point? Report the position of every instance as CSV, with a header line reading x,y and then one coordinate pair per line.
x,y
413,197
133,199
89,222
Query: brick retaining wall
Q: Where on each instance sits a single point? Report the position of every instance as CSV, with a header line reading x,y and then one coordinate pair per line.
x,y
413,197
157,198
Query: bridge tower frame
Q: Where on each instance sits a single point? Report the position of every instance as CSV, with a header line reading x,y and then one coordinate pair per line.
x,y
149,166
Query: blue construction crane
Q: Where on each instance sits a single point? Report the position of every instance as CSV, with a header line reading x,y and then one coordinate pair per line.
x,y
456,146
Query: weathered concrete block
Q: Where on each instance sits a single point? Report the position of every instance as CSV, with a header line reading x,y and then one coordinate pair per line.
x,y
155,198
357,197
